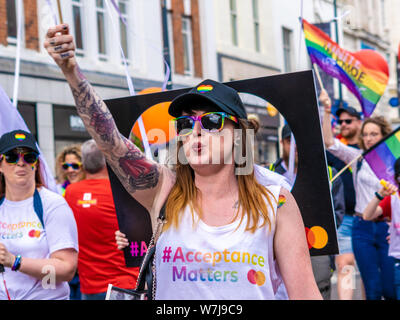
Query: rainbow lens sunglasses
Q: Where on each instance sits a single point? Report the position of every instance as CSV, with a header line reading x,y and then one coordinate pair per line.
x,y
210,121
29,157
74,165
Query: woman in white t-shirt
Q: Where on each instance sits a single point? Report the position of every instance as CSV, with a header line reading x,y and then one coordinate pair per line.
x,y
225,237
38,235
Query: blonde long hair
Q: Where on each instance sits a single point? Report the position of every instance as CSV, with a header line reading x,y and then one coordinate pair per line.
x,y
252,195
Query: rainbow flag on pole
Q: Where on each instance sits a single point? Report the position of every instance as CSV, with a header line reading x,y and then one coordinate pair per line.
x,y
365,73
381,156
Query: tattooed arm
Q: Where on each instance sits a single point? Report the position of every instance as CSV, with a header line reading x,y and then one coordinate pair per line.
x,y
142,178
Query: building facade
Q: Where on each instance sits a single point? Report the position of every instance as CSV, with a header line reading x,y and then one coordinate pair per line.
x,y
44,98
224,40
244,50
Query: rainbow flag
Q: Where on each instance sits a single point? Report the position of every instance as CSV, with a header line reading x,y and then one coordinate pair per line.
x,y
365,73
382,155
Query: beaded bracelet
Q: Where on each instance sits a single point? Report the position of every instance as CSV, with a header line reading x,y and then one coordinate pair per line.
x,y
17,263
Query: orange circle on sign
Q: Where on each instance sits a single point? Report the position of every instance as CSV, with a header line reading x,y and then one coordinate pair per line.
x,y
156,120
317,237
321,237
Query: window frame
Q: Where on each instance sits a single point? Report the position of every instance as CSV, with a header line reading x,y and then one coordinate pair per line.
x,y
234,22
187,20
287,49
256,25
125,15
79,4
11,40
98,10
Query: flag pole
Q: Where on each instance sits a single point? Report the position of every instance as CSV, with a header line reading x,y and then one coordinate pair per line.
x,y
337,41
59,11
345,168
318,76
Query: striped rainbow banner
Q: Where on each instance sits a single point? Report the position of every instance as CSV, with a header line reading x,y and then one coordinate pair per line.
x,y
365,73
381,156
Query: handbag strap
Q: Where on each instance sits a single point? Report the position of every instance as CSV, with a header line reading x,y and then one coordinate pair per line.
x,y
145,275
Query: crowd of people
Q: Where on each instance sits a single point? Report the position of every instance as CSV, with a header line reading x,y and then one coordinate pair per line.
x,y
66,244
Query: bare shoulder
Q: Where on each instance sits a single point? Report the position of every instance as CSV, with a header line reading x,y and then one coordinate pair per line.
x,y
289,220
286,200
168,178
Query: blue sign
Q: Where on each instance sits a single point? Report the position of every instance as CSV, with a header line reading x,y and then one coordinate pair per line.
x,y
394,102
366,46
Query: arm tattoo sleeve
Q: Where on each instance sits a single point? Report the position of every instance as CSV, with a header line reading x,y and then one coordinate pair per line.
x,y
94,112
130,165
141,173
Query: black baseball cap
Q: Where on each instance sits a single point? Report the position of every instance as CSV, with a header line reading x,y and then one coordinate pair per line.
x,y
209,92
350,110
17,138
286,132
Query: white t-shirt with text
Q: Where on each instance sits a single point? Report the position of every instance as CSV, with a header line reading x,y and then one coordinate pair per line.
x,y
22,233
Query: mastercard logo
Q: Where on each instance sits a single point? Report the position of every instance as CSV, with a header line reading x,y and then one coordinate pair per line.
x,y
317,237
256,277
20,136
204,88
34,233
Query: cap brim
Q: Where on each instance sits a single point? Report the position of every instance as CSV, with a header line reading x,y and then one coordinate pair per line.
x,y
341,110
22,145
194,100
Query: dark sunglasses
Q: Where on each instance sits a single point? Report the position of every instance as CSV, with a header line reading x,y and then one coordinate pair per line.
x,y
346,121
13,157
74,165
210,121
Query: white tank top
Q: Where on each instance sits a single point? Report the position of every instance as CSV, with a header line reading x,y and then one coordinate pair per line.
x,y
200,262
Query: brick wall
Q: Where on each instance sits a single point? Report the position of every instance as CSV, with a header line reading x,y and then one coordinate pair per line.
x,y
177,13
31,24
3,23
